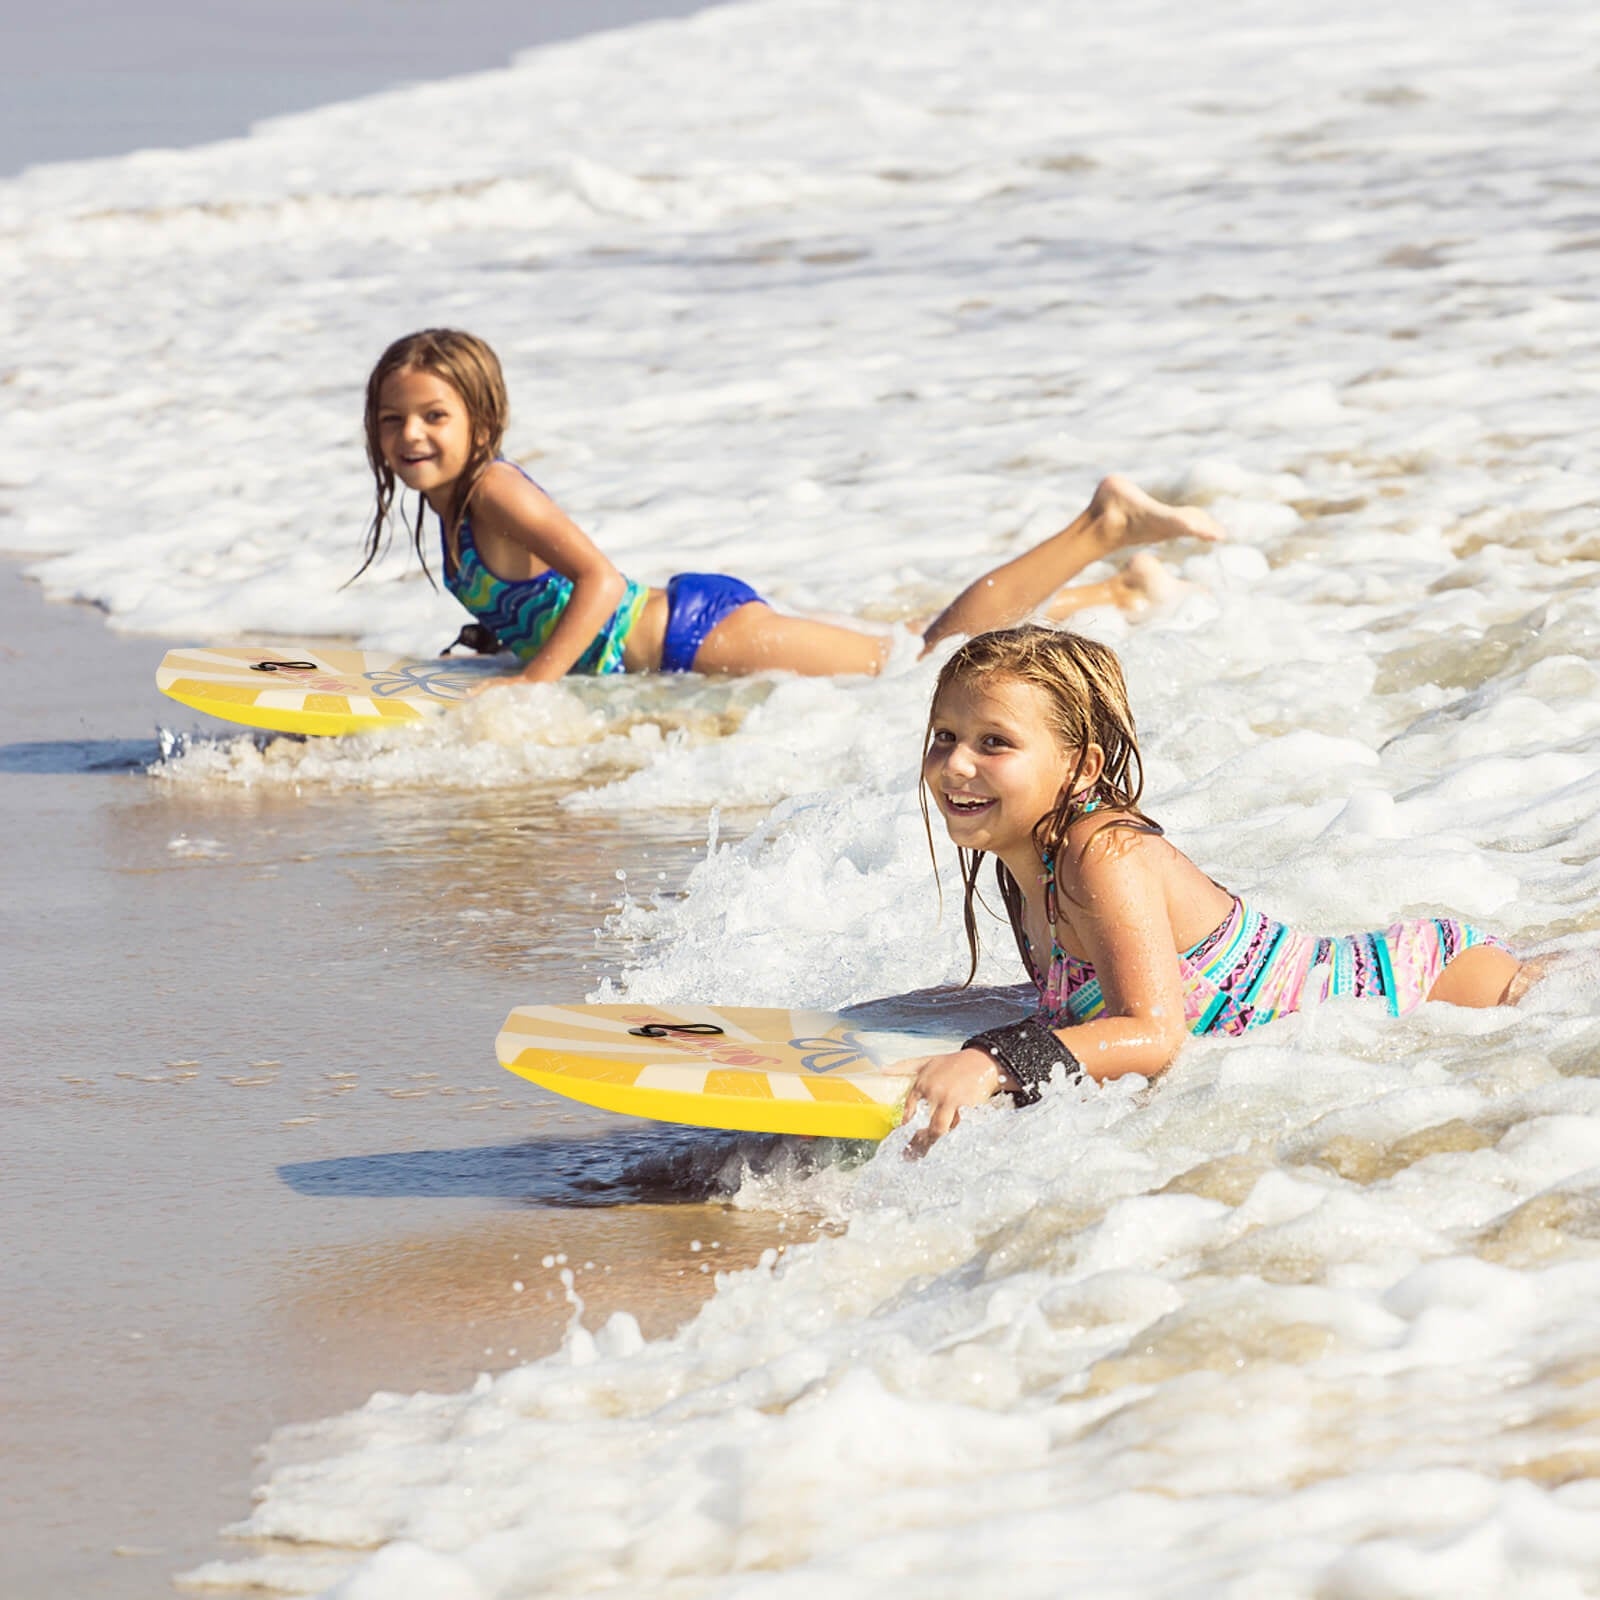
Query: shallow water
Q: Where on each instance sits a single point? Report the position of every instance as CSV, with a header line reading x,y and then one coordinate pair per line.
x,y
257,1158
1314,1316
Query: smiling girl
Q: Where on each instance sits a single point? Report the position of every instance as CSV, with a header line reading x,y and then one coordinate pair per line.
x,y
1032,758
436,416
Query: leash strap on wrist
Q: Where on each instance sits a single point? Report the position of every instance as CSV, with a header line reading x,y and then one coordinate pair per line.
x,y
1030,1052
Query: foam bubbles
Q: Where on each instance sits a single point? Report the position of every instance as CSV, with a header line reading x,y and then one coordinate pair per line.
x,y
853,310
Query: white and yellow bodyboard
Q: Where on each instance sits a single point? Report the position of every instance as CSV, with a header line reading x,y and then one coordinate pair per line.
x,y
756,1069
321,689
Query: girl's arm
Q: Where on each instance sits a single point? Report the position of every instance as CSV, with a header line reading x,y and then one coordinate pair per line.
x,y
505,506
1119,915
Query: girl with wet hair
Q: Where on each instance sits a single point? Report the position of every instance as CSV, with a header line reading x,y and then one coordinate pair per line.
x,y
1032,757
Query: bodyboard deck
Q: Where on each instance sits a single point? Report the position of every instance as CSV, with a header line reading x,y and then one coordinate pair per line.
x,y
321,689
762,1069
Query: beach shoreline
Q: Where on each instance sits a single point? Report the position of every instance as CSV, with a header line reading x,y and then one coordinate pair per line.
x,y
170,1231
256,1184
789,291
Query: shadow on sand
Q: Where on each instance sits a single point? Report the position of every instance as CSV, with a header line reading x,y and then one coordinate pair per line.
x,y
655,1165
58,757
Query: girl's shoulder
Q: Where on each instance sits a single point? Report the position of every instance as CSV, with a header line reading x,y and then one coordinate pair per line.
x,y
504,490
1110,836
1105,821
1126,849
504,477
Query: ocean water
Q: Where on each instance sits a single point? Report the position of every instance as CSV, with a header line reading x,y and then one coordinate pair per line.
x,y
90,78
853,300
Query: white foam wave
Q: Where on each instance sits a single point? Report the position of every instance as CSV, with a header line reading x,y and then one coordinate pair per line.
x,y
1259,1299
852,306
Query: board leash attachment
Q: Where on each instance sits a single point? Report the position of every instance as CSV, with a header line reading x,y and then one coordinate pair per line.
x,y
283,666
660,1030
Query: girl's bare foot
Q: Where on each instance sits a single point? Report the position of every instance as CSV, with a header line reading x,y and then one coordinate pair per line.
x,y
1144,582
1130,516
1120,514
1527,974
1141,584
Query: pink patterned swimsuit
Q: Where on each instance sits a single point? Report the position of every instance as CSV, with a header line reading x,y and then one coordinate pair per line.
x,y
1251,969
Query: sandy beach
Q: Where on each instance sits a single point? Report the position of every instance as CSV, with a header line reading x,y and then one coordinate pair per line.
x,y
851,309
256,1151
246,1196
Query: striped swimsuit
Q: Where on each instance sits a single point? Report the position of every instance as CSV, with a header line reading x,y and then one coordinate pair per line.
x,y
1251,969
523,612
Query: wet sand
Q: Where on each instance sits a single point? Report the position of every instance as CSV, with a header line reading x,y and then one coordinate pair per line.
x,y
257,1158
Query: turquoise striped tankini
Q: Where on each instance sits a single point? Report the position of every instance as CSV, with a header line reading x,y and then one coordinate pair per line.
x,y
1251,969
523,612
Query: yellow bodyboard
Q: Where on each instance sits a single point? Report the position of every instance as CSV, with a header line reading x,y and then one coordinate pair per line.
x,y
321,689
755,1069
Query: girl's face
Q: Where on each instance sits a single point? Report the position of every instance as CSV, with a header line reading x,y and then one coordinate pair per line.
x,y
424,432
994,767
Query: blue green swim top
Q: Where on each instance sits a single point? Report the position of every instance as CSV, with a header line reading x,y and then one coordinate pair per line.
x,y
523,612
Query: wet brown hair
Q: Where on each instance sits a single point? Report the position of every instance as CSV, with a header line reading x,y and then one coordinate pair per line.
x,y
1087,696
472,369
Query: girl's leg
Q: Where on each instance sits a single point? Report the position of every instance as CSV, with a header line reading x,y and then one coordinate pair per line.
x,y
1485,975
1119,514
755,638
1142,582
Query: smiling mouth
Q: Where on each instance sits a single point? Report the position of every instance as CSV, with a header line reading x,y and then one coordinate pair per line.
x,y
966,805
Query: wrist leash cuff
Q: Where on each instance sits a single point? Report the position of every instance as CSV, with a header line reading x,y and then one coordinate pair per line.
x,y
1030,1052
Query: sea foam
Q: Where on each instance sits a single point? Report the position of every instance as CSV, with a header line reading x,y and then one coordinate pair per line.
x,y
853,300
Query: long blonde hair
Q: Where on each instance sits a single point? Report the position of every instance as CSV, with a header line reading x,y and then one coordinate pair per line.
x,y
472,369
1087,697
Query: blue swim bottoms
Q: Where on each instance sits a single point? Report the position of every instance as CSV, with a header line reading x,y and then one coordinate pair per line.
x,y
696,603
